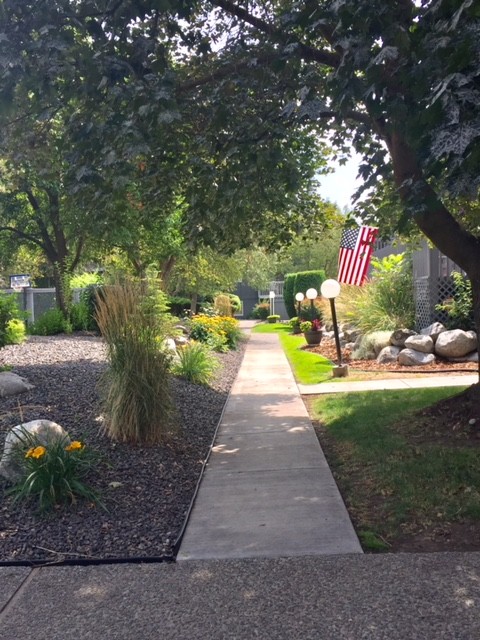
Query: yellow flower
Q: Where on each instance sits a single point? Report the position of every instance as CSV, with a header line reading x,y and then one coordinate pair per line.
x,y
36,452
74,446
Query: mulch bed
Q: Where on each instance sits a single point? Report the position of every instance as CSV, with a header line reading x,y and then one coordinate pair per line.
x,y
147,490
327,349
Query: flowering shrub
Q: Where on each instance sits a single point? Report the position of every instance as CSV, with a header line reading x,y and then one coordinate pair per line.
x,y
55,473
221,333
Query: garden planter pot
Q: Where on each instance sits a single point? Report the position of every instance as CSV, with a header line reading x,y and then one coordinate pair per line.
x,y
313,337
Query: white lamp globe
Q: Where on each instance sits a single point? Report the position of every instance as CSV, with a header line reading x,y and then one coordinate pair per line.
x,y
312,294
299,296
330,288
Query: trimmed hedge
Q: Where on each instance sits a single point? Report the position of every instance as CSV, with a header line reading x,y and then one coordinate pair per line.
x,y
289,292
309,279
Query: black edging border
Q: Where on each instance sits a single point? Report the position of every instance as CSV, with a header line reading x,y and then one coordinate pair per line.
x,y
163,559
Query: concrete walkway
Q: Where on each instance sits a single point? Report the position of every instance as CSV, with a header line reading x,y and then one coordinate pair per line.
x,y
344,386
267,490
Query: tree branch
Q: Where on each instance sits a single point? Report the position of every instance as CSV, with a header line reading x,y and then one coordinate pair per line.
x,y
310,53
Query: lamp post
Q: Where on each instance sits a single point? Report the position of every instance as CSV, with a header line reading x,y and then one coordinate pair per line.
x,y
299,297
311,295
272,302
330,289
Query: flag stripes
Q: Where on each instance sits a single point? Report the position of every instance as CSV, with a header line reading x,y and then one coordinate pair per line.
x,y
356,247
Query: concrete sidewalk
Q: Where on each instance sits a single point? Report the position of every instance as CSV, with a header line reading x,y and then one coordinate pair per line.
x,y
267,490
345,386
350,597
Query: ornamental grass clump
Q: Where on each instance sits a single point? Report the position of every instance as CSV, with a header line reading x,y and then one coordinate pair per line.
x,y
135,389
196,363
55,473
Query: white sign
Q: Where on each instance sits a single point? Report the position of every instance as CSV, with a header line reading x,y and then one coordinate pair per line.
x,y
20,281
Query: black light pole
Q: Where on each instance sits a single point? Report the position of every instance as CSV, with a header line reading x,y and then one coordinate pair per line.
x,y
330,289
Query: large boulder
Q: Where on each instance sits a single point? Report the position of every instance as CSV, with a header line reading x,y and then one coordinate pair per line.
x,y
455,343
44,432
398,337
11,384
420,343
433,330
412,358
470,357
388,354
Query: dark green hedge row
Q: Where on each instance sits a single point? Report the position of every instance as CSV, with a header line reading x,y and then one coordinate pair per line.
x,y
300,282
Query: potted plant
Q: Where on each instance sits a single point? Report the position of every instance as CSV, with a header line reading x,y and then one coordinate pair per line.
x,y
273,319
312,331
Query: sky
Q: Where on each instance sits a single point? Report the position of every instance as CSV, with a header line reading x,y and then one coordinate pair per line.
x,y
339,186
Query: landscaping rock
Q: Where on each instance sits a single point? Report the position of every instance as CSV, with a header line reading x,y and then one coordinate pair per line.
x,y
433,330
455,343
420,343
181,341
412,358
470,357
398,337
44,431
388,354
182,328
169,345
11,384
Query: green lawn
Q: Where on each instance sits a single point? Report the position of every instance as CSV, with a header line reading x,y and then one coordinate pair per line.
x,y
397,476
308,368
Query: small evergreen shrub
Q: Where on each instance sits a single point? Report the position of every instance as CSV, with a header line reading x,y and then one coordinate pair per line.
x,y
261,311
295,324
273,318
196,363
51,323
79,316
89,298
235,302
289,294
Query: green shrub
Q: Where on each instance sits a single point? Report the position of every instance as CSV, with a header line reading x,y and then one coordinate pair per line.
x,y
235,302
289,294
273,318
371,344
295,324
55,473
79,316
83,280
311,312
50,323
261,311
8,311
178,306
308,280
89,298
196,363
16,332
135,389
459,309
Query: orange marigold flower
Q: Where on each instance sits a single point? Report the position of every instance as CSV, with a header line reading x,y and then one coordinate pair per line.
x,y
74,446
36,452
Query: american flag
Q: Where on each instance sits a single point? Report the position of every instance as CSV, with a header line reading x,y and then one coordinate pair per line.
x,y
356,247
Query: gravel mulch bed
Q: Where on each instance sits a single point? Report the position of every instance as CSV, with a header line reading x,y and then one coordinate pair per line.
x,y
147,490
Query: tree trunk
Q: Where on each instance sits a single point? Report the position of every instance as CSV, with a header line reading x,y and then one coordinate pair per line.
x,y
59,278
193,304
